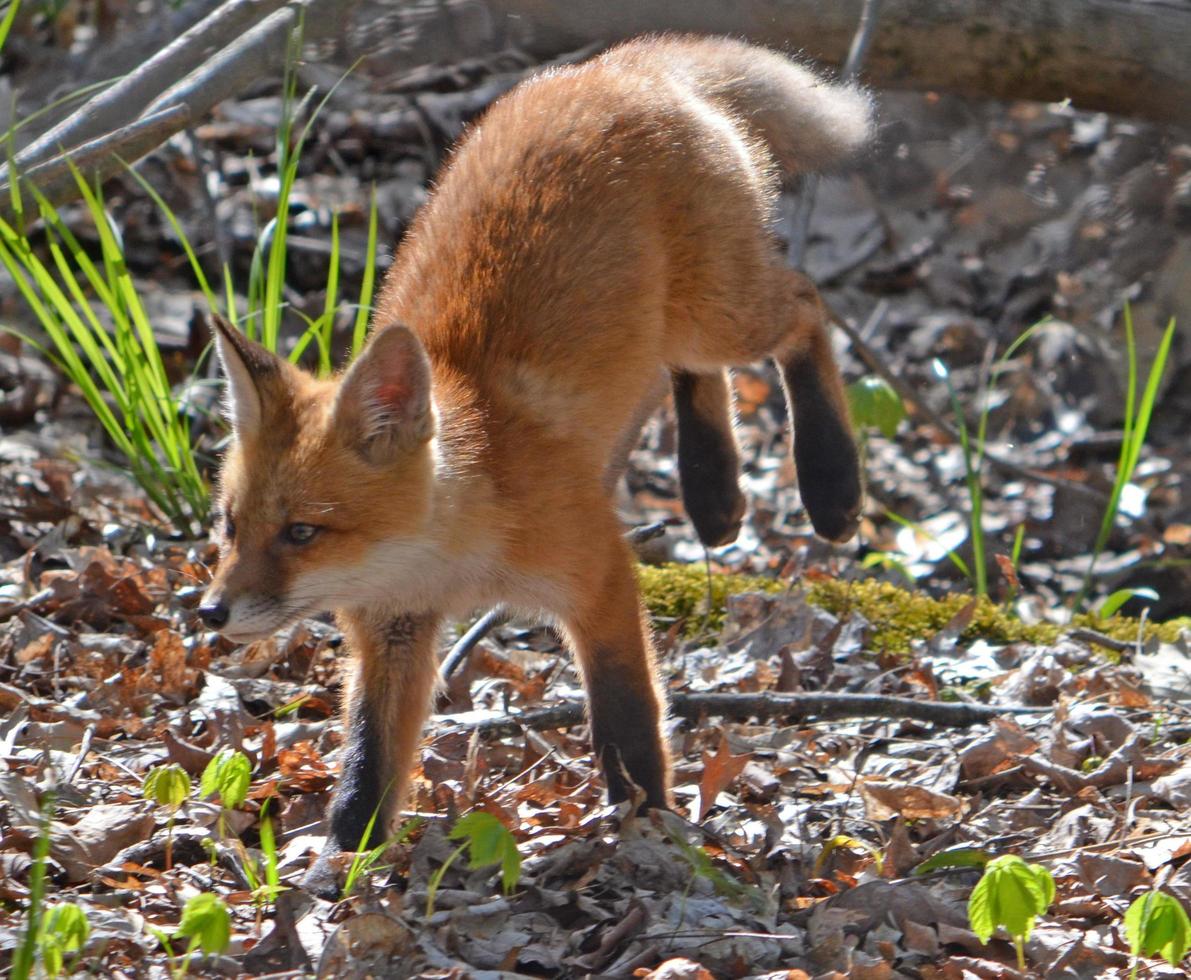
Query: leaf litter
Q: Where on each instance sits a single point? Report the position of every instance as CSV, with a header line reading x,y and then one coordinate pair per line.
x,y
794,845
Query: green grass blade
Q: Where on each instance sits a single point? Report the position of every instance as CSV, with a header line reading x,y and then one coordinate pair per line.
x,y
1136,425
332,300
952,555
14,7
367,284
191,256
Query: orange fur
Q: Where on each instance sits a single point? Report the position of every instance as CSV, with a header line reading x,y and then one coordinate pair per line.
x,y
602,225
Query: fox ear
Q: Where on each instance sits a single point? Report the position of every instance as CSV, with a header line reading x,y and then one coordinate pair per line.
x,y
247,365
383,405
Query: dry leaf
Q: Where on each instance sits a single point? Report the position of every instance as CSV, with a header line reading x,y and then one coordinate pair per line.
x,y
719,771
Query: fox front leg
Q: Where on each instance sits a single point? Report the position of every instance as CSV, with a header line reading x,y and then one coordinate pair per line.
x,y
389,692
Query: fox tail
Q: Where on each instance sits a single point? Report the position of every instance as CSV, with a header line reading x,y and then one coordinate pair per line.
x,y
808,122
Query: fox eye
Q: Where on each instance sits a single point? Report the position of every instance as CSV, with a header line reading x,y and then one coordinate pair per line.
x,y
300,533
229,527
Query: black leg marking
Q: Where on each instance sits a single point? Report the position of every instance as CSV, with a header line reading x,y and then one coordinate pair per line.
x,y
824,452
626,736
708,460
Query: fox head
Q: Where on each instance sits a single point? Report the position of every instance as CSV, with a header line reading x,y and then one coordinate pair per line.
x,y
322,480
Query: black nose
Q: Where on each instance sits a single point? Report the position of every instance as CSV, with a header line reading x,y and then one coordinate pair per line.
x,y
214,614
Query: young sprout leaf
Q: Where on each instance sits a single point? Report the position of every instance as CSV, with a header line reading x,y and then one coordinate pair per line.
x,y
875,404
206,922
64,929
228,774
166,785
489,842
1157,924
1012,894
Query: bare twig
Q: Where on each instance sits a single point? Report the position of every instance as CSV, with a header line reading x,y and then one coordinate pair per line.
x,y
770,704
1096,638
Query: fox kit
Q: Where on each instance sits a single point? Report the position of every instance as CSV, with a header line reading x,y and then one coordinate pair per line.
x,y
602,234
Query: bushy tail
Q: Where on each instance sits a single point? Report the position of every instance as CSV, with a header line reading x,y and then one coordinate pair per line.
x,y
808,122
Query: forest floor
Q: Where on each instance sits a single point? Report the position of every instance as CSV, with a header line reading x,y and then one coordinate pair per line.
x,y
793,841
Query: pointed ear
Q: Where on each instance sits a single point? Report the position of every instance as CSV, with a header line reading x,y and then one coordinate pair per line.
x,y
383,406
247,366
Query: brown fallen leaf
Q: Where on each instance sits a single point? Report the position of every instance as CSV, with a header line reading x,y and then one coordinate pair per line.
x,y
719,771
996,751
888,798
105,830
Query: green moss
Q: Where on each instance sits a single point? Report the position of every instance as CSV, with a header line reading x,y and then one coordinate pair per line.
x,y
679,593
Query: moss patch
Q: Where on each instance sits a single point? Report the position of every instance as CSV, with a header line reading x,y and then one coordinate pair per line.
x,y
679,593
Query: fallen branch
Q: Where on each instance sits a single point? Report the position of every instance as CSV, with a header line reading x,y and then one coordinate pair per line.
x,y
768,704
118,105
1124,56
56,181
255,51
494,617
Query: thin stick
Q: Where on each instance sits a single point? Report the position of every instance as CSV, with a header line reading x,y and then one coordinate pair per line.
x,y
499,615
770,704
226,73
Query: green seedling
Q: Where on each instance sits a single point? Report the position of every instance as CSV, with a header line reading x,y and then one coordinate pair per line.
x,y
367,860
489,842
1010,566
1011,894
844,842
973,447
702,865
953,556
64,930
883,559
167,786
264,879
229,775
290,707
1156,924
207,923
10,15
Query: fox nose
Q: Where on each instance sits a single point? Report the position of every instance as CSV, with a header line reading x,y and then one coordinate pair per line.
x,y
214,614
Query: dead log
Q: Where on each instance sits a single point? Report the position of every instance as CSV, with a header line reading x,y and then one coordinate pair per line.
x,y
1122,56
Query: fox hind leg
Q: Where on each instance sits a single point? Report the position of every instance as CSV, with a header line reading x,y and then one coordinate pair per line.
x,y
708,456
829,478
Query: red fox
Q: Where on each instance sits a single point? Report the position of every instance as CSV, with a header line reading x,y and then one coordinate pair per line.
x,y
604,230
